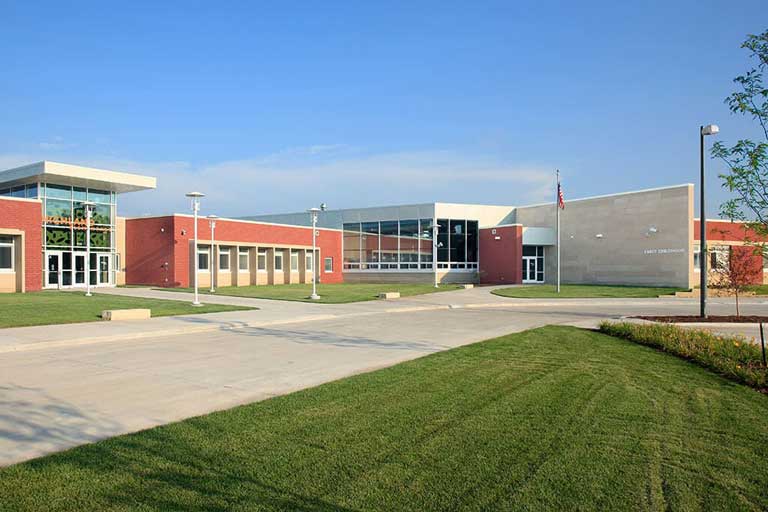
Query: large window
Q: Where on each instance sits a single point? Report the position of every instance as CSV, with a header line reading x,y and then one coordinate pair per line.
x,y
6,254
407,244
224,259
242,260
294,260
352,239
278,260
203,259
65,219
261,260
308,262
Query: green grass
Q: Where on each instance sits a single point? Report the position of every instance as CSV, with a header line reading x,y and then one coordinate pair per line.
x,y
54,307
329,293
578,291
555,418
759,289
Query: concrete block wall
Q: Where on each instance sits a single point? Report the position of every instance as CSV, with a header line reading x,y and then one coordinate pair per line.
x,y
634,238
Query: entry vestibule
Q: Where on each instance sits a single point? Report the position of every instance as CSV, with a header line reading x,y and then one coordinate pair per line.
x,y
65,269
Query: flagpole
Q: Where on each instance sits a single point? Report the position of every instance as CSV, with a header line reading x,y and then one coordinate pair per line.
x,y
557,209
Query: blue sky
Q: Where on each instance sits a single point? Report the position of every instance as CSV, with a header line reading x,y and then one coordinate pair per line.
x,y
271,107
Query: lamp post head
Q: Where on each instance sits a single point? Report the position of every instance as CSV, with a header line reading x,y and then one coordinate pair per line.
x,y
323,206
195,194
314,210
710,129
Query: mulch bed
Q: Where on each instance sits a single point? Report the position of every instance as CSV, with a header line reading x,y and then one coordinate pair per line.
x,y
743,319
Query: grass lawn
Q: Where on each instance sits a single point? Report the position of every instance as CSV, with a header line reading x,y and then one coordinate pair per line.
x,y
759,289
329,293
550,419
54,307
578,291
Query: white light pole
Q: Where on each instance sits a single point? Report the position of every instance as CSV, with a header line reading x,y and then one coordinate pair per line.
x,y
212,224
313,213
88,205
435,229
710,129
195,197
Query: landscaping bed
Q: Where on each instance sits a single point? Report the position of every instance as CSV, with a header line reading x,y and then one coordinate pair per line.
x,y
685,319
584,291
730,356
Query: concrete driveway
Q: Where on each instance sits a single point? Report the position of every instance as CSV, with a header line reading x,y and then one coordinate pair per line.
x,y
67,385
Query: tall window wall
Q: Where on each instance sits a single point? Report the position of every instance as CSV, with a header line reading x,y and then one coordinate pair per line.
x,y
64,218
407,245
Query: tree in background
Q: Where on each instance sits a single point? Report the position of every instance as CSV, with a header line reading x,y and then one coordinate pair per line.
x,y
747,160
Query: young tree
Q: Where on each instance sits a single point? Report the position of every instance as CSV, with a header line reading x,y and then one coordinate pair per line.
x,y
747,160
739,272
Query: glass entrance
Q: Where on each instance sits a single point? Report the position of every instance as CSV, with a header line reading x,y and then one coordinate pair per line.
x,y
53,269
533,264
67,269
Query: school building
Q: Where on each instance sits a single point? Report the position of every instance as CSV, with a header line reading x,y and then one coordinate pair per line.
x,y
646,237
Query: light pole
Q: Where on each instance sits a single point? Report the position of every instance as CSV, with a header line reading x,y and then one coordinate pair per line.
x,y
710,129
313,213
435,229
212,224
88,205
195,197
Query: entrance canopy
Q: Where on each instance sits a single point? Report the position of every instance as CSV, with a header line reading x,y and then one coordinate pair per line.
x,y
76,176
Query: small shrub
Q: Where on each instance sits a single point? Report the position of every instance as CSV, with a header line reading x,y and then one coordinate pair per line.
x,y
730,356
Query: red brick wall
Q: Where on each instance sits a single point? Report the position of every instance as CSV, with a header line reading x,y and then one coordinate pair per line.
x,y
26,216
726,231
754,262
147,248
501,259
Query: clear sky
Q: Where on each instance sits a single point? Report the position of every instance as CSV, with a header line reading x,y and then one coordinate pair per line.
x,y
273,107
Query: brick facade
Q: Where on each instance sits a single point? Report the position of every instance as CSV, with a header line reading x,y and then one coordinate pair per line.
x,y
26,215
158,249
501,255
735,234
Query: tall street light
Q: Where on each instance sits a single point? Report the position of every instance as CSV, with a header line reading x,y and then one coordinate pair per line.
x,y
212,224
88,205
195,197
435,229
710,129
313,213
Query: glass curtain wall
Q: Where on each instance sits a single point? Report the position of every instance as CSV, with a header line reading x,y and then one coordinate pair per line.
x,y
64,234
407,244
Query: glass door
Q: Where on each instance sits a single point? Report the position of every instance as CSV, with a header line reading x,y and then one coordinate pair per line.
x,y
53,269
104,273
80,269
529,269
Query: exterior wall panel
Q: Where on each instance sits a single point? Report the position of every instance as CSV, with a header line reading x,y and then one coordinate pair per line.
x,y
635,238
25,215
501,252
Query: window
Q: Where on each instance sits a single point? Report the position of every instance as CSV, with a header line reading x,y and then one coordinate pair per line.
x,y
389,244
203,259
117,262
278,260
294,260
370,245
309,262
425,242
261,260
224,258
6,254
242,260
409,244
328,264
697,258
719,257
352,241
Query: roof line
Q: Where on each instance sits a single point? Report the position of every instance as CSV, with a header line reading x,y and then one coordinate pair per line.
x,y
186,215
603,196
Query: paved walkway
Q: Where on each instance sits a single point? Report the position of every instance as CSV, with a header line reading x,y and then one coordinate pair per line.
x,y
60,387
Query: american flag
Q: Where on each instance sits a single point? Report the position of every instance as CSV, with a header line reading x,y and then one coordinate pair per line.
x,y
560,199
